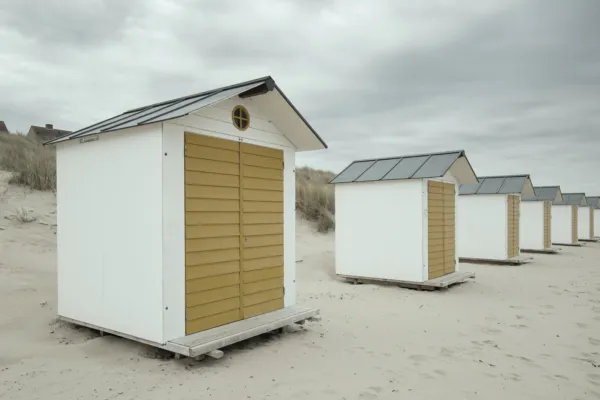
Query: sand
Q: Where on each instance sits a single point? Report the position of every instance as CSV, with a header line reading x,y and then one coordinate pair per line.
x,y
527,332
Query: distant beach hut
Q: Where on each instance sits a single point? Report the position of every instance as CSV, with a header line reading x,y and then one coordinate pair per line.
x,y
536,219
594,202
565,220
176,220
395,217
585,215
489,218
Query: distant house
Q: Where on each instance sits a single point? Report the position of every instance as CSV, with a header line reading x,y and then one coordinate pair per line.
x,y
3,128
45,133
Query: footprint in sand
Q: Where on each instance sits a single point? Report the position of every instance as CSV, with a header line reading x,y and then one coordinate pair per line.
x,y
521,317
491,331
418,358
528,360
594,379
440,372
594,342
582,325
519,326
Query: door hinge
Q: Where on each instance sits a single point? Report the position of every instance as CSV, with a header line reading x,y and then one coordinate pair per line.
x,y
185,149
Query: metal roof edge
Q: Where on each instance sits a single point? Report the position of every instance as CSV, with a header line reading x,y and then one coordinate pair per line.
x,y
462,152
506,176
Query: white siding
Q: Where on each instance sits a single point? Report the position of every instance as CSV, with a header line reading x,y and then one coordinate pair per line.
x,y
583,223
109,235
482,226
531,233
379,230
561,224
173,195
597,222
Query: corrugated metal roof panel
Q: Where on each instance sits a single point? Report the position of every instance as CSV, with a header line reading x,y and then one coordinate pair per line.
x,y
406,168
490,185
436,165
577,199
353,171
419,166
513,184
378,170
469,188
594,201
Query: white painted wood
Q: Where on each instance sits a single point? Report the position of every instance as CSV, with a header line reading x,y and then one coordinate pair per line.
x,y
583,223
597,222
216,354
531,225
561,224
379,229
109,233
461,172
436,283
482,226
222,336
173,237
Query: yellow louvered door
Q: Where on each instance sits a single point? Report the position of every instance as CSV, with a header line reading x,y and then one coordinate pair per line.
x,y
574,225
212,232
441,228
449,228
262,229
547,224
513,225
591,223
233,231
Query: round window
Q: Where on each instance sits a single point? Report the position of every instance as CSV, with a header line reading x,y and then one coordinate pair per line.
x,y
241,118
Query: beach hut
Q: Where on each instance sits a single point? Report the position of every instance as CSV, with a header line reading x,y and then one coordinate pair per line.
x,y
395,218
536,219
585,215
176,220
565,221
488,218
595,204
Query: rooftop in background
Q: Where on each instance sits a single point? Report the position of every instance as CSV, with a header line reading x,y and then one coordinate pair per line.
x,y
45,133
508,184
182,106
543,193
594,201
3,127
418,166
574,199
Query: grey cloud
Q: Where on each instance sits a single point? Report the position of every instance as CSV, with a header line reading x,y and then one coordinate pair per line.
x,y
516,84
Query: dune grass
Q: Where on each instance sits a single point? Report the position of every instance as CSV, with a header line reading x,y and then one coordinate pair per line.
x,y
315,198
32,165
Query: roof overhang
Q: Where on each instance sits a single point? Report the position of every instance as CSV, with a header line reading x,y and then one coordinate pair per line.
x,y
263,90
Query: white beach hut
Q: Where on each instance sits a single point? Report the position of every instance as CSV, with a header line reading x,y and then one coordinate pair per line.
x,y
176,220
488,218
594,202
565,221
395,217
585,215
536,219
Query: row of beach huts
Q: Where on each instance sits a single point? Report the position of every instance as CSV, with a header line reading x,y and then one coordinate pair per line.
x,y
411,219
176,220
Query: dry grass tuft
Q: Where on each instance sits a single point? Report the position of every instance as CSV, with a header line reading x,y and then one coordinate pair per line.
x,y
32,165
315,197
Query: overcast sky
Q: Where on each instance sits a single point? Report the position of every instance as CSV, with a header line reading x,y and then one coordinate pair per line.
x,y
516,83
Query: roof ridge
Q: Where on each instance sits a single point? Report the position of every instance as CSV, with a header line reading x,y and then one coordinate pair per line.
x,y
462,152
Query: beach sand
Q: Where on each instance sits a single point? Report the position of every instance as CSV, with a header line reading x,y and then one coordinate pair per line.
x,y
526,332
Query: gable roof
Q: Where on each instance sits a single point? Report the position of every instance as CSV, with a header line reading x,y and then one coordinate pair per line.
x,y
507,184
594,201
182,106
543,193
47,133
418,166
3,127
574,199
